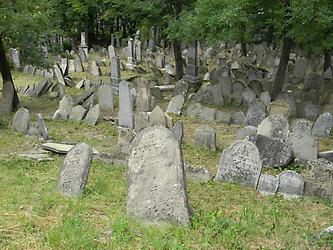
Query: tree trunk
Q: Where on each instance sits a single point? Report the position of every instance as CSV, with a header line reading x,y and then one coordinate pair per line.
x,y
177,46
9,100
244,49
281,72
327,60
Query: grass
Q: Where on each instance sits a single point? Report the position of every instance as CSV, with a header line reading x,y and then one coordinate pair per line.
x,y
34,216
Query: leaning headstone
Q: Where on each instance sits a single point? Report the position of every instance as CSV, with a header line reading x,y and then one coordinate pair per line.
x,y
205,137
21,120
255,114
64,66
95,70
78,113
240,163
268,184
105,98
274,152
176,104
59,75
75,170
42,126
248,96
222,116
291,184
274,126
126,115
156,190
157,117
41,88
16,58
319,179
323,125
64,109
78,65
178,131
92,115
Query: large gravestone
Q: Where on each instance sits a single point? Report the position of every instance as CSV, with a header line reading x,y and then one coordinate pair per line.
x,y
65,108
274,126
240,163
92,115
21,120
75,170
156,190
126,115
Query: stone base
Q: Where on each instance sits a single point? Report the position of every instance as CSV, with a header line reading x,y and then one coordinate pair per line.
x,y
126,120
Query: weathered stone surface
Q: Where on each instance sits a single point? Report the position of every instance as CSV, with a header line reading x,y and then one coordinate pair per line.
x,y
265,97
65,108
323,125
75,170
42,126
279,108
223,117
156,191
105,98
61,148
59,75
255,114
92,115
238,118
95,69
34,130
301,123
205,137
319,180
178,131
312,81
41,88
246,132
157,117
197,173
303,144
194,109
274,152
268,184
175,105
21,120
328,155
143,99
78,113
248,96
126,116
240,163
310,111
181,88
274,126
141,120
291,184
207,114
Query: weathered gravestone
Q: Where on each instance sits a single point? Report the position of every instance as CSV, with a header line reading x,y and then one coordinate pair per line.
x,y
115,70
157,117
178,131
156,190
105,98
59,75
323,125
42,127
65,108
205,137
126,115
92,115
255,114
291,184
141,120
78,113
21,120
192,64
268,184
274,126
95,69
75,170
240,163
175,105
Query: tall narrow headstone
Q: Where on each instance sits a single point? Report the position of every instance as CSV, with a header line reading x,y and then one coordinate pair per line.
x,y
15,57
152,38
156,190
83,46
125,115
130,55
137,51
115,70
192,65
105,98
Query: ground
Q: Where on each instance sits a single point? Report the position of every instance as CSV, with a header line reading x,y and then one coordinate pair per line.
x,y
34,216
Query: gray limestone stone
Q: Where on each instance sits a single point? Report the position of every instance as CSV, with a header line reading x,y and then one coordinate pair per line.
x,y
246,132
207,114
105,98
157,117
265,97
274,126
291,184
237,118
64,109
255,114
240,163
274,152
126,115
75,170
194,109
78,113
95,69
178,131
175,105
21,121
156,190
205,137
141,120
42,126
92,115
223,117
268,184
310,111
249,96
323,125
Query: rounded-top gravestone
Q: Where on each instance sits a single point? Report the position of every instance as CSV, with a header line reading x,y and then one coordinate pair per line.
x,y
21,120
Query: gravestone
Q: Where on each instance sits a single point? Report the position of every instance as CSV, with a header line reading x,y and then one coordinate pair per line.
x,y
78,113
175,105
205,137
126,116
92,115
240,163
64,66
223,117
78,65
291,184
115,70
42,126
95,69
59,75
141,120
105,98
112,52
83,48
15,55
248,132
156,190
143,99
207,114
137,51
323,125
130,55
21,120
248,96
274,126
237,118
64,109
178,131
75,170
268,184
157,117
255,114
71,66
274,152
191,74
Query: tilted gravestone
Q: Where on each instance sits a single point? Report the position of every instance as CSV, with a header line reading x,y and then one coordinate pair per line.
x,y
92,115
291,184
157,117
240,163
178,131
323,125
156,190
21,120
65,108
255,114
274,126
78,113
75,170
175,105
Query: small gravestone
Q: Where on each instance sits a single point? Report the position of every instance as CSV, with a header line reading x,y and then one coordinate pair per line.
x,y
141,120
309,111
178,131
323,125
268,184
157,117
156,190
95,69
42,126
65,108
115,70
255,114
71,66
105,98
194,109
75,170
303,144
291,184
34,130
176,104
205,137
319,179
21,120
78,113
222,116
78,65
246,133
143,99
265,97
207,114
248,96
197,174
59,75
240,163
41,88
274,126
274,152
92,115
237,118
